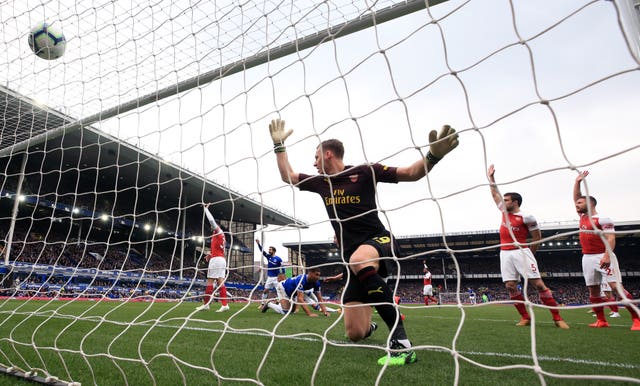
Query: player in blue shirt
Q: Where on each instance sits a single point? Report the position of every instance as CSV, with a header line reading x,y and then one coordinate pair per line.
x,y
275,271
313,296
292,290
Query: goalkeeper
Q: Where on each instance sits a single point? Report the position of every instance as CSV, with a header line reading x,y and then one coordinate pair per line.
x,y
348,193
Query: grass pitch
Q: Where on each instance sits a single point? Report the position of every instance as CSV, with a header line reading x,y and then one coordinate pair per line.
x,y
137,343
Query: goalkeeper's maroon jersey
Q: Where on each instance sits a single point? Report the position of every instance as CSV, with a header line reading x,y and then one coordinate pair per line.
x,y
350,197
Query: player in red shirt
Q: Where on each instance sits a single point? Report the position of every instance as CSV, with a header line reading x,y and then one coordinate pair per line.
x,y
217,266
516,256
427,290
598,260
349,196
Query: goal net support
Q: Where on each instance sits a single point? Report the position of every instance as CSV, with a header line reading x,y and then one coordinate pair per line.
x,y
110,153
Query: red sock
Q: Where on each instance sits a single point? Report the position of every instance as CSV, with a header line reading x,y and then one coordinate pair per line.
x,y
522,310
426,300
207,293
223,295
634,314
613,307
547,299
598,310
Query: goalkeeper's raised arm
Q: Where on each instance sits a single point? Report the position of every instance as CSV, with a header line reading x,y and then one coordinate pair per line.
x,y
439,146
278,136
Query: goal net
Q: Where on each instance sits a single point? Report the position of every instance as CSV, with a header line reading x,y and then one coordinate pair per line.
x,y
454,297
110,153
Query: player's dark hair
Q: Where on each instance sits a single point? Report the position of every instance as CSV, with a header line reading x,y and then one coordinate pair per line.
x,y
272,247
515,197
314,269
591,199
335,145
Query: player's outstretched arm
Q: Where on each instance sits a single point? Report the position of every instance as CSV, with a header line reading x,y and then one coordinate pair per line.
x,y
495,193
577,192
264,253
212,221
303,304
322,306
279,135
439,146
333,278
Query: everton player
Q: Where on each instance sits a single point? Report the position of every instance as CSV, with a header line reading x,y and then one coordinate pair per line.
x,y
292,290
274,270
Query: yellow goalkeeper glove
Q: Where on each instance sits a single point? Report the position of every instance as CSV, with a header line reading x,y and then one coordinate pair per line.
x,y
278,135
441,144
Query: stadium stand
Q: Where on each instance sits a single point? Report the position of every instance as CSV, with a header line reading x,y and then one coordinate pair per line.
x,y
87,207
559,258
85,200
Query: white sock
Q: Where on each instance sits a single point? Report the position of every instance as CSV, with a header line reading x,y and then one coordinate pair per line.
x,y
405,342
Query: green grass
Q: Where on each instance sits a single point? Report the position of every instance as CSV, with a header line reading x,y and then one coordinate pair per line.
x,y
170,344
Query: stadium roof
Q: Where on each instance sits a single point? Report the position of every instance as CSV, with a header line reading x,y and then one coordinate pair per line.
x,y
86,160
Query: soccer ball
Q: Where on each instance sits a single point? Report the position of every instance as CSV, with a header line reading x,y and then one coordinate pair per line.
x,y
47,41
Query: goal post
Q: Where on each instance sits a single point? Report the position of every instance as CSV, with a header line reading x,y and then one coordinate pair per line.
x,y
366,20
630,20
454,298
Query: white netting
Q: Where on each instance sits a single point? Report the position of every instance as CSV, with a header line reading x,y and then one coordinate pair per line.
x,y
452,298
539,89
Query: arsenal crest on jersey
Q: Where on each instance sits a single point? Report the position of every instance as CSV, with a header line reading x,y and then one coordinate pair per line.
x,y
353,178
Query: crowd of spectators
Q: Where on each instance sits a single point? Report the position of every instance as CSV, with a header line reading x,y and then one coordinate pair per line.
x,y
34,248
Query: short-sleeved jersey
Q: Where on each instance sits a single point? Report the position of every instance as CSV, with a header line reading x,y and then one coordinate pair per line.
x,y
350,200
520,223
297,283
592,243
217,244
274,264
427,278
314,288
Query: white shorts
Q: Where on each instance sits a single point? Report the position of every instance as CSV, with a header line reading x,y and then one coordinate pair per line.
x,y
282,294
217,268
594,275
427,290
310,298
518,262
271,282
